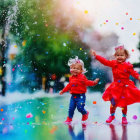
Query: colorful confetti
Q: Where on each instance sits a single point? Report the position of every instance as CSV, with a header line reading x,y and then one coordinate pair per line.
x,y
135,117
54,128
29,115
132,50
86,12
94,102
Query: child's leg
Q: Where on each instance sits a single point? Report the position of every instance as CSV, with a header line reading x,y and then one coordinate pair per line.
x,y
81,103
72,107
124,111
112,107
112,110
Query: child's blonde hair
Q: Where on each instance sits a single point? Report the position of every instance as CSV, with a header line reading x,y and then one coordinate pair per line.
x,y
118,48
75,61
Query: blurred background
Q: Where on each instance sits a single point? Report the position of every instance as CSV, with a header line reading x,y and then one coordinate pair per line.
x,y
37,38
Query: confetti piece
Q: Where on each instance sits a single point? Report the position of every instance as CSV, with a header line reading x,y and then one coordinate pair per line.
x,y
135,117
25,131
119,81
80,49
1,110
104,23
132,50
126,13
122,28
24,43
106,20
94,102
86,12
29,115
130,18
13,69
81,97
134,33
117,23
43,112
15,46
3,119
54,128
75,97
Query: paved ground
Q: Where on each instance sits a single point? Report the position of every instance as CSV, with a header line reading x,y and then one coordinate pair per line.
x,y
42,119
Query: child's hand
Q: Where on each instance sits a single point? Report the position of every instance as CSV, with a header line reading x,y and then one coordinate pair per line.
x,y
96,80
92,52
61,92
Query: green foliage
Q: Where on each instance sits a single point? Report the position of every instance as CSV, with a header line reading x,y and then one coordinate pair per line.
x,y
48,48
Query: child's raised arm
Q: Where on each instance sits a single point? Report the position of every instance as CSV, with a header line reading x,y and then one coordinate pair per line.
x,y
101,59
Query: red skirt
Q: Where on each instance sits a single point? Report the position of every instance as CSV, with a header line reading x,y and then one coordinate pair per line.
x,y
124,93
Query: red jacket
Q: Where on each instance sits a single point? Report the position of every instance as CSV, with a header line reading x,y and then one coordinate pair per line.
x,y
122,89
78,84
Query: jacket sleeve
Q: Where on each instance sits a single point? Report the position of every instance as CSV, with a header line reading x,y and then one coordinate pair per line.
x,y
89,82
67,88
104,61
134,73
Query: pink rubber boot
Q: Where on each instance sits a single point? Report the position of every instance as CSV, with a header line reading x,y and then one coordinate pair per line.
x,y
124,120
110,119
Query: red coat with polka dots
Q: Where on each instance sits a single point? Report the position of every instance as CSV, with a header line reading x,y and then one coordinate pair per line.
x,y
122,89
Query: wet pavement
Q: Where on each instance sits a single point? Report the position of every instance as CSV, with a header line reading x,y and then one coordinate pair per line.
x,y
42,119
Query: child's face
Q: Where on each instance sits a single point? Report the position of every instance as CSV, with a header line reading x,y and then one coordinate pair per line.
x,y
76,69
120,56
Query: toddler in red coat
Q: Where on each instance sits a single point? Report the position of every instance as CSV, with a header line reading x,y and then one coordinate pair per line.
x,y
77,86
122,91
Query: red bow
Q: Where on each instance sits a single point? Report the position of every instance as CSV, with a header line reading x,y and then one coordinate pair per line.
x,y
119,47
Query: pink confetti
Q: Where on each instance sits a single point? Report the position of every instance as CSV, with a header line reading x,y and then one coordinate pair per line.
x,y
122,28
3,119
13,69
106,20
132,50
29,115
135,117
